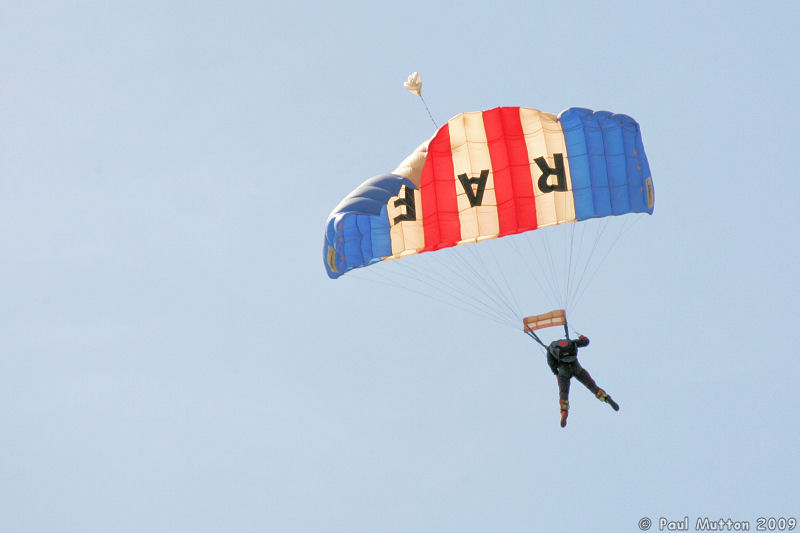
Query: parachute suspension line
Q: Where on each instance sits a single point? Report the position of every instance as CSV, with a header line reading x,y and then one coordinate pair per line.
x,y
467,272
569,264
566,249
551,262
489,278
459,292
576,262
565,278
553,293
470,274
484,276
430,277
601,227
581,249
447,302
625,228
462,274
507,297
429,112
467,305
510,290
509,287
584,254
525,262
449,289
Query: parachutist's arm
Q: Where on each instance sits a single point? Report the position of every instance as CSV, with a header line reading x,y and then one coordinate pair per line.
x,y
552,362
582,341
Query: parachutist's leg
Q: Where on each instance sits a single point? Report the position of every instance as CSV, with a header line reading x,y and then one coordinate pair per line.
x,y
614,405
564,412
563,396
563,386
584,377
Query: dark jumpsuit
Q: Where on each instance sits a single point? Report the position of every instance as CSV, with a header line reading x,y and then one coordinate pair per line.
x,y
563,361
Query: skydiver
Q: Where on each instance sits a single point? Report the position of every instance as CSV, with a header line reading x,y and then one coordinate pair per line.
x,y
562,357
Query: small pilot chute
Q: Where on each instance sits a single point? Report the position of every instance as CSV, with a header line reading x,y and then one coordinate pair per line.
x,y
413,84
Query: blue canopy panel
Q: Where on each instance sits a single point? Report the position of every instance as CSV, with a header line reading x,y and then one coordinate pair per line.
x,y
357,233
608,167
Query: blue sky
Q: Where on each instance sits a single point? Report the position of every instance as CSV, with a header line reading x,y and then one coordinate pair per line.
x,y
174,358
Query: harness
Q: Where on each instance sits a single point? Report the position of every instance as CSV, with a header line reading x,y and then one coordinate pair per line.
x,y
564,351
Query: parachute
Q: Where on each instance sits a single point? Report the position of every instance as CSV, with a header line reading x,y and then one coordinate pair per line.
x,y
493,174
490,174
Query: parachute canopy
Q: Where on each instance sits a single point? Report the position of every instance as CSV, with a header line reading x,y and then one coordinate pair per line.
x,y
488,174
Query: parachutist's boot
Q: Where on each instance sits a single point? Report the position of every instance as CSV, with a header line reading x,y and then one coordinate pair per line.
x,y
564,412
603,397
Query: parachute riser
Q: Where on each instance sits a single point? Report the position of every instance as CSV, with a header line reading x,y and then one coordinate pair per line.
x,y
535,337
545,320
